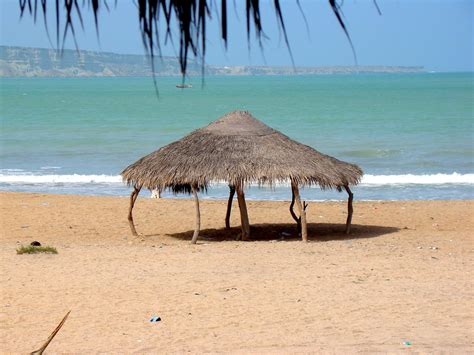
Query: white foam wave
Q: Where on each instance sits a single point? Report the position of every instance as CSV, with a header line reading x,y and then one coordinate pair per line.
x,y
61,179
433,179
11,170
367,180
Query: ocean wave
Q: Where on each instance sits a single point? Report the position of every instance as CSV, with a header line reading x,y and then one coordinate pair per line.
x,y
50,168
372,153
10,170
367,180
60,179
406,179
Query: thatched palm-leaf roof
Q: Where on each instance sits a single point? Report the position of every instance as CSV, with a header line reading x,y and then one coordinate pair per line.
x,y
238,148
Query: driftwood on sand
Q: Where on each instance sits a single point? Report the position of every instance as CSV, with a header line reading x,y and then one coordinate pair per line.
x,y
239,149
52,335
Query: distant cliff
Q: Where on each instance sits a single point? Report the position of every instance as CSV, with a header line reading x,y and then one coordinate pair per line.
x,y
265,70
29,62
40,62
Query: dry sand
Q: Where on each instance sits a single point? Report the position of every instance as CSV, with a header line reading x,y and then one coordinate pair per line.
x,y
404,274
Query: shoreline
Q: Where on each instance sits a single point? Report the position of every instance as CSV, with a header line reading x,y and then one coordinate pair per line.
x,y
248,197
403,274
184,197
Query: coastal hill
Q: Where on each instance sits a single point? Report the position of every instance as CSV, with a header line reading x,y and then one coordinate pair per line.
x,y
41,62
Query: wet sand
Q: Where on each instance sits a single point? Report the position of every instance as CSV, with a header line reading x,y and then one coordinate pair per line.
x,y
404,274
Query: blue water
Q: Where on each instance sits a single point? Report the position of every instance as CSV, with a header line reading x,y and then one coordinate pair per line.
x,y
412,134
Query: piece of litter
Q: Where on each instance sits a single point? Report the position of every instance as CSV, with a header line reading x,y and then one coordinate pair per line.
x,y
285,234
407,343
155,319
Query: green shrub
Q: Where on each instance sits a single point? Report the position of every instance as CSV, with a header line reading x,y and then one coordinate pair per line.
x,y
30,249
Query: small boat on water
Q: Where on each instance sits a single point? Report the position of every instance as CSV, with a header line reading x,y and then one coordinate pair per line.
x,y
184,86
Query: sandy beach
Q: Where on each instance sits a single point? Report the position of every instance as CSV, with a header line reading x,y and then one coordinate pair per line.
x,y
404,275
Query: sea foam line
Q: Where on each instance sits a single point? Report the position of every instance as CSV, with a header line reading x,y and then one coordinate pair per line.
x,y
367,180
428,179
61,179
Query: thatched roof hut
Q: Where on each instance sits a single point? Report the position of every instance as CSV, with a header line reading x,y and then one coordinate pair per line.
x,y
239,149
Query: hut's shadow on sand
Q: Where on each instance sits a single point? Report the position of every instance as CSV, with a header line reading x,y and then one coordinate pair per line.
x,y
286,231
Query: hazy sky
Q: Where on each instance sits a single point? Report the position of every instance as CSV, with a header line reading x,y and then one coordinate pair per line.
x,y
437,34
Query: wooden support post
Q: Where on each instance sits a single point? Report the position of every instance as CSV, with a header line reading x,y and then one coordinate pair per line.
x,y
244,218
301,210
293,214
292,204
133,198
350,210
229,206
197,226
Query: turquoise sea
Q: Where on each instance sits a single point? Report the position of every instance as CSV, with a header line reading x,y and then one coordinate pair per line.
x,y
412,134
